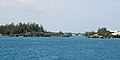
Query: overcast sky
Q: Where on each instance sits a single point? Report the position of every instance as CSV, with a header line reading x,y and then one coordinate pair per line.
x,y
63,15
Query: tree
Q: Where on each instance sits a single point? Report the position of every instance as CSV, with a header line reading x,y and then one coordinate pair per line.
x,y
89,33
103,32
41,28
20,28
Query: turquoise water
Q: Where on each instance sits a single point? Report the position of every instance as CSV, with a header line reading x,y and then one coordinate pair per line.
x,y
51,48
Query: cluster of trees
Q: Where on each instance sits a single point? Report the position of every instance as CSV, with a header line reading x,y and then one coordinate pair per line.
x,y
104,32
89,33
20,28
60,34
29,30
101,32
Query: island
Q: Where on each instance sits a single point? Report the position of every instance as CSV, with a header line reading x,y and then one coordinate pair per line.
x,y
102,33
29,30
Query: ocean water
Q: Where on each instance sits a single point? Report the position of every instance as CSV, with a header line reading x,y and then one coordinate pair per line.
x,y
58,48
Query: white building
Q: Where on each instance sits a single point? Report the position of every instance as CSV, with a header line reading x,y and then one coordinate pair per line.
x,y
116,33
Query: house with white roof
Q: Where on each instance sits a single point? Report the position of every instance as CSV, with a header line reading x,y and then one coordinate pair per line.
x,y
115,33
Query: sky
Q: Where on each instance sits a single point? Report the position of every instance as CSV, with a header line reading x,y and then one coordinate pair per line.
x,y
63,15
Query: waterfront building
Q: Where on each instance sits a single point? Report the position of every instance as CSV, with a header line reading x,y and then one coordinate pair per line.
x,y
115,33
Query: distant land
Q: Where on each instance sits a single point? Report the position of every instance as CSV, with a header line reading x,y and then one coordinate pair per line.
x,y
102,33
36,30
29,30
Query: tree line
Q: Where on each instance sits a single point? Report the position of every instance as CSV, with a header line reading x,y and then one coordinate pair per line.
x,y
29,30
20,28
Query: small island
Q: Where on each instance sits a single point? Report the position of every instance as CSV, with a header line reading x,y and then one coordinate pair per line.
x,y
102,33
29,30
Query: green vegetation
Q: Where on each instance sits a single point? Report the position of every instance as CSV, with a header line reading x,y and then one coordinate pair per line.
x,y
116,36
104,32
101,33
20,28
60,34
90,33
28,30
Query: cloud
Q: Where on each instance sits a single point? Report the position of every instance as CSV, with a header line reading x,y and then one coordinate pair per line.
x,y
59,12
44,6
